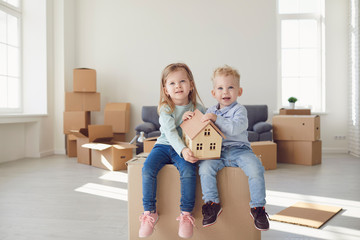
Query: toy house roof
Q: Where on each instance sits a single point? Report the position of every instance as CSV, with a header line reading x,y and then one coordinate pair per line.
x,y
194,126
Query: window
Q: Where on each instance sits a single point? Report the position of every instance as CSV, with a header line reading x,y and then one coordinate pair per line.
x,y
199,146
207,132
212,146
10,56
301,52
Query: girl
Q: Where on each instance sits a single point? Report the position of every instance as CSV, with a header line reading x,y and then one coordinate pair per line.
x,y
178,96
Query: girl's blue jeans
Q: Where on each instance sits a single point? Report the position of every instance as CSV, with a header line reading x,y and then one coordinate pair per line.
x,y
158,157
234,156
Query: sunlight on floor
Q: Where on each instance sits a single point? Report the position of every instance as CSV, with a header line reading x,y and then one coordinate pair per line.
x,y
115,176
104,191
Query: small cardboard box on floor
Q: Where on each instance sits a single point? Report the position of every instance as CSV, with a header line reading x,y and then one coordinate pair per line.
x,y
92,134
71,150
110,155
118,116
266,152
296,127
234,223
299,152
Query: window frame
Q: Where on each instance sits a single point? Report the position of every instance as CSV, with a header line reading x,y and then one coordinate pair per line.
x,y
320,19
17,13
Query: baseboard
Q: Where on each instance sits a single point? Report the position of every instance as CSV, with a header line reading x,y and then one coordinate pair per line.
x,y
335,150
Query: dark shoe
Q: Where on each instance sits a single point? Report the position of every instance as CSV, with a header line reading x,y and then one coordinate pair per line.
x,y
260,218
210,211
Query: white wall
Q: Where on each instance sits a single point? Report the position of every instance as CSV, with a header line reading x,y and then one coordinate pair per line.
x,y
130,42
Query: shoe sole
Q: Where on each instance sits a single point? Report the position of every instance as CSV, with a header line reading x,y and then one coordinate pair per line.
x,y
208,225
260,229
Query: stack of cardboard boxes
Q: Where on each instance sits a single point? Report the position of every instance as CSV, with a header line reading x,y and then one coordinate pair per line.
x,y
297,138
96,145
79,104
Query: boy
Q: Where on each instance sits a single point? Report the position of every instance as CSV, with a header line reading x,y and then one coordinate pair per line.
x,y
231,118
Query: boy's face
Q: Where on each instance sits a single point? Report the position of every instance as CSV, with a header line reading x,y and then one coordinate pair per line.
x,y
226,90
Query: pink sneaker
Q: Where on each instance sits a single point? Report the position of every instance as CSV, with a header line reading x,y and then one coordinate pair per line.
x,y
186,225
148,221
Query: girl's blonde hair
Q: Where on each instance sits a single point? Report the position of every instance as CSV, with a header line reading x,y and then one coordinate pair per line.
x,y
165,99
226,71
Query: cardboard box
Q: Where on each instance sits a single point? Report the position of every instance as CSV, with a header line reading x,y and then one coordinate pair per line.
x,y
110,156
94,133
149,143
299,152
84,80
75,120
82,101
119,137
118,116
266,152
71,150
296,127
234,223
285,111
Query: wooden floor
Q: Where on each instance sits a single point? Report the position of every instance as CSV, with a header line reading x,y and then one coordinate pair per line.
x,y
57,198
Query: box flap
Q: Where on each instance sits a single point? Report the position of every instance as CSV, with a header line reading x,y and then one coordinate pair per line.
x,y
97,146
117,106
135,161
123,145
151,139
81,133
100,132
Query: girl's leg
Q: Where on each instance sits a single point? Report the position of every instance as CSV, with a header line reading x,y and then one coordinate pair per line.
x,y
158,157
187,172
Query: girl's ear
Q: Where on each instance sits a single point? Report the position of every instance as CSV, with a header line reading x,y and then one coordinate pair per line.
x,y
240,91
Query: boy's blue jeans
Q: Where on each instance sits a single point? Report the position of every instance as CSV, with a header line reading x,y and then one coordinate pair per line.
x,y
158,157
234,156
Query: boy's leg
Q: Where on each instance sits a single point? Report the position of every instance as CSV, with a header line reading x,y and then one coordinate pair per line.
x,y
253,168
211,209
157,158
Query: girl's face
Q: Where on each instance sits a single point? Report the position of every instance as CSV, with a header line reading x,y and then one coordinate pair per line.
x,y
178,87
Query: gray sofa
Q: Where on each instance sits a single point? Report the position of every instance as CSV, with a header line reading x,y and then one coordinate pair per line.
x,y
258,129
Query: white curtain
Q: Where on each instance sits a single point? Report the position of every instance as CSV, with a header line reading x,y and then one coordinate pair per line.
x,y
354,90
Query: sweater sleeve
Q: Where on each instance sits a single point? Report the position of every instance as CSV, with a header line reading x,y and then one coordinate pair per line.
x,y
235,125
168,127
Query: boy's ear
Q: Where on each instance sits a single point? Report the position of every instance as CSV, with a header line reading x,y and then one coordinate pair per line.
x,y
240,92
213,93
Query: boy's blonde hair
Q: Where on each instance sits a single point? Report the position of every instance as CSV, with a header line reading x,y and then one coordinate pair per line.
x,y
226,71
165,99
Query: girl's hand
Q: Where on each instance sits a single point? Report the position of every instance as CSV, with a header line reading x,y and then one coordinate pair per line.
x,y
188,155
209,116
187,115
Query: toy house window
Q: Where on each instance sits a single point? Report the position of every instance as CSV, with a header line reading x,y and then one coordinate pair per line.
x,y
207,132
212,146
199,146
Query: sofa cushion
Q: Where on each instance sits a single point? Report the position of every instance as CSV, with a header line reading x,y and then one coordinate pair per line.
x,y
253,136
261,127
146,127
256,113
149,114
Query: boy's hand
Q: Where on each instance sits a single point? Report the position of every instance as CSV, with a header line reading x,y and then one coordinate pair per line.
x,y
209,116
187,115
188,155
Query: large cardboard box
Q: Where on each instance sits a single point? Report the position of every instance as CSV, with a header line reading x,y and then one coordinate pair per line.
x,y
285,111
266,152
71,150
149,143
234,223
118,116
299,152
296,127
110,156
84,80
94,133
75,120
79,101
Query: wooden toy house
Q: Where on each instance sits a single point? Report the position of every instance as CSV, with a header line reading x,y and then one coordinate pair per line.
x,y
203,138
